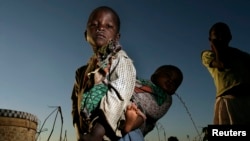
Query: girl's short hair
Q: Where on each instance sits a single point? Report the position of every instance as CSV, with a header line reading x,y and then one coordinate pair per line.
x,y
118,21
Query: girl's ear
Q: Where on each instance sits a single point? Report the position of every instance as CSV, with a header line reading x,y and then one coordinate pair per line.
x,y
118,35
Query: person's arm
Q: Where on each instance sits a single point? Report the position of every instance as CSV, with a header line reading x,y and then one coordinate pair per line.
x,y
74,111
217,61
74,98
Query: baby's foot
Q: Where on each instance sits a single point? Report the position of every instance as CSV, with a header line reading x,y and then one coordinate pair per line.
x,y
131,113
134,118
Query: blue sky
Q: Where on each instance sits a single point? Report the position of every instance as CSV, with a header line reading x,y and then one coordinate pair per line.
x,y
42,44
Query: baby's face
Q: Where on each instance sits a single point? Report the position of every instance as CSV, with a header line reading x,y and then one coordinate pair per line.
x,y
168,82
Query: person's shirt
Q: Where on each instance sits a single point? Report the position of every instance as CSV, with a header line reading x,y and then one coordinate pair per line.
x,y
121,82
237,72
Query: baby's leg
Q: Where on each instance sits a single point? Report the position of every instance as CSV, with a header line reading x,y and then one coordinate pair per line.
x,y
96,134
134,118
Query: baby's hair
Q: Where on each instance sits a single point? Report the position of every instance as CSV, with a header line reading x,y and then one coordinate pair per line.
x,y
118,21
221,27
165,69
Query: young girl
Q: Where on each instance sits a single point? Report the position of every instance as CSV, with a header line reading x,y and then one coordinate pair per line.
x,y
103,28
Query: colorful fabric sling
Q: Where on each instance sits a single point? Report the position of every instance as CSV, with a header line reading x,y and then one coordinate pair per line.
x,y
92,98
99,60
157,92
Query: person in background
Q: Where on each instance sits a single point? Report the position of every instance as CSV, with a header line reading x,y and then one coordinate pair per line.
x,y
229,67
172,138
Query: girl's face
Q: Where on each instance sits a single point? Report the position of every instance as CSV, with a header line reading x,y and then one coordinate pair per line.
x,y
101,28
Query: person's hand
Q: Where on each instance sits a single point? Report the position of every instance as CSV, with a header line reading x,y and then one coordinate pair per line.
x,y
213,48
106,69
98,78
78,135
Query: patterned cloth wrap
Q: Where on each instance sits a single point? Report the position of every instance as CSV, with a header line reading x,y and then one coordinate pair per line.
x,y
91,99
156,91
105,53
152,101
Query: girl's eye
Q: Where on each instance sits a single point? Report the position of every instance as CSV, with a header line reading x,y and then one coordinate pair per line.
x,y
93,25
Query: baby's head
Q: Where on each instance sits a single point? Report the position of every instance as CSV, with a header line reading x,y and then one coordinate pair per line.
x,y
168,77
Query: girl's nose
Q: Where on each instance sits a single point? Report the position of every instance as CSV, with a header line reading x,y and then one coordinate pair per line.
x,y
100,27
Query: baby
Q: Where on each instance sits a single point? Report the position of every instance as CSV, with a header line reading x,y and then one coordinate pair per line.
x,y
150,101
